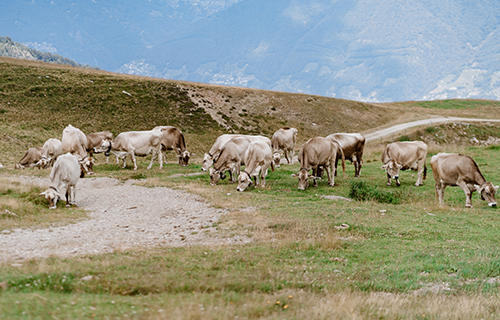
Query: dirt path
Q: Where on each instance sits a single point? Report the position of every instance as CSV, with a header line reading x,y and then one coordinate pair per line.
x,y
122,216
383,133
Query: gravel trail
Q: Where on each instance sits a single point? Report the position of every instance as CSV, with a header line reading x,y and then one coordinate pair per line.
x,y
122,216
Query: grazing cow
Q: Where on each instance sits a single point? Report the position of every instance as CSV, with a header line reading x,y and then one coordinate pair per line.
x,y
403,156
318,153
64,174
173,139
51,149
94,140
30,159
284,139
231,157
352,145
74,141
135,143
258,157
209,157
453,169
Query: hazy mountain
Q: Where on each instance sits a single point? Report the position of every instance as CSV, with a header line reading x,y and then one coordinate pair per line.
x,y
368,50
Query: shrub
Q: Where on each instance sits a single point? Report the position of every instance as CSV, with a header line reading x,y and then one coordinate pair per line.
x,y
361,191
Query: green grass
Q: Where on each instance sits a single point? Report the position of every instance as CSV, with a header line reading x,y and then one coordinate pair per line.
x,y
456,104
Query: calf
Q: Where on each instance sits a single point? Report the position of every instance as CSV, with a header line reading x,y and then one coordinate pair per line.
x,y
51,149
64,174
452,169
284,139
258,159
30,159
318,153
403,156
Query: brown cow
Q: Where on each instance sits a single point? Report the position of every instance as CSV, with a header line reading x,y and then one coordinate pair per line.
x,y
74,141
452,169
284,139
403,156
352,145
231,157
30,159
95,139
173,139
258,157
51,149
315,153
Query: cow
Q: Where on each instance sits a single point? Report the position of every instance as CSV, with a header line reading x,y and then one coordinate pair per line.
x,y
403,156
209,157
231,157
352,145
284,139
453,169
318,153
64,174
30,159
95,139
135,143
258,157
74,141
173,139
51,149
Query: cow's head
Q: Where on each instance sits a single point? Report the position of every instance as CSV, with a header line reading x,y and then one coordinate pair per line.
x,y
43,163
52,196
184,158
487,192
244,181
304,177
276,158
208,161
215,176
105,147
86,166
392,169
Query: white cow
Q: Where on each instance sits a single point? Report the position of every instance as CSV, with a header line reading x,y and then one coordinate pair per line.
x,y
259,157
74,141
135,143
51,149
64,175
284,139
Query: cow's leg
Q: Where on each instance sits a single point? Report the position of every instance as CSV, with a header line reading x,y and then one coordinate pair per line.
x,y
68,199
153,158
420,170
107,159
160,158
388,179
124,159
468,193
132,157
330,174
263,178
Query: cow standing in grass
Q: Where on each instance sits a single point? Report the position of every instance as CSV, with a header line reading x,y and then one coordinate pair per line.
x,y
173,139
452,169
403,156
284,139
352,145
258,159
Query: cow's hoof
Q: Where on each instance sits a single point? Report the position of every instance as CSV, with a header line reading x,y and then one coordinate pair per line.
x,y
468,206
388,184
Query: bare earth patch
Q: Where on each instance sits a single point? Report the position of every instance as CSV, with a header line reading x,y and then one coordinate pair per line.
x,y
121,216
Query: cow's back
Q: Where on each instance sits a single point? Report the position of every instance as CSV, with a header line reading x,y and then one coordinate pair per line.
x,y
405,153
94,139
66,168
74,141
257,153
316,151
451,167
351,143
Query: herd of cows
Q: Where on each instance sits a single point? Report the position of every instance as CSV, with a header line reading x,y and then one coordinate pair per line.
x,y
256,153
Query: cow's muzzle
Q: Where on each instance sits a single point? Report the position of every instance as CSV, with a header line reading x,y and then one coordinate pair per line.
x,y
492,204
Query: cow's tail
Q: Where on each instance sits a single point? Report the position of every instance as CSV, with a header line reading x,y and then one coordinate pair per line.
x,y
425,171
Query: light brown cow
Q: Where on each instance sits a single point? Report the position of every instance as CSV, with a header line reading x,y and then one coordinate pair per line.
x,y
51,149
64,175
352,145
30,159
173,139
258,157
403,156
231,158
209,157
135,143
452,169
95,139
284,139
74,141
315,153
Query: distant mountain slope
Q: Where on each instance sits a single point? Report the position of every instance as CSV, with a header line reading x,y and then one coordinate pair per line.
x,y
12,49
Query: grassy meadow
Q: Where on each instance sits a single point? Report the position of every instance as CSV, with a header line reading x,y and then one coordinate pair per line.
x,y
394,255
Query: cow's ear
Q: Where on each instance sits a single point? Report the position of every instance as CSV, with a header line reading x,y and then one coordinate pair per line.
x,y
399,166
383,167
496,188
294,175
43,194
316,178
477,187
